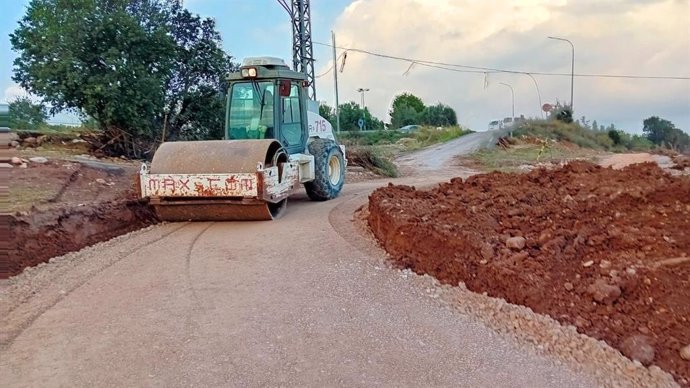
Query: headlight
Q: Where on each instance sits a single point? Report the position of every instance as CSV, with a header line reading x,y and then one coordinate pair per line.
x,y
248,72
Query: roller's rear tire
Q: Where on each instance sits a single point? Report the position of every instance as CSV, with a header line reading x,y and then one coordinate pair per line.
x,y
329,169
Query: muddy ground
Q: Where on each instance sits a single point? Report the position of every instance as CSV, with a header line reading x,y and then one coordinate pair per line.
x,y
604,250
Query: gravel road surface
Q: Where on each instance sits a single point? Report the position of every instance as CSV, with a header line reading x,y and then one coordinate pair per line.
x,y
440,156
303,301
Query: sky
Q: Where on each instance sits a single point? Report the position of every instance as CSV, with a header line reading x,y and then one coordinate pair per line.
x,y
614,37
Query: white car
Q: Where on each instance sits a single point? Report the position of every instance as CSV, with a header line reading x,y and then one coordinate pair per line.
x,y
495,125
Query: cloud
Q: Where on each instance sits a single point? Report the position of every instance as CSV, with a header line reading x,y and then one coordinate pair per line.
x,y
614,37
12,92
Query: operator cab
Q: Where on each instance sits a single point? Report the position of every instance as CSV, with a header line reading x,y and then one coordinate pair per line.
x,y
266,101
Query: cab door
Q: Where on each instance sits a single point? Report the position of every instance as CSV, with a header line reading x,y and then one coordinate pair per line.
x,y
293,133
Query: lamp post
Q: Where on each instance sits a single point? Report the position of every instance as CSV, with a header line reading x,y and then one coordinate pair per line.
x,y
538,94
512,118
572,68
362,90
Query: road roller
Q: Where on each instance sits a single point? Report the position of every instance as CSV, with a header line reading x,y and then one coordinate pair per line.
x,y
274,141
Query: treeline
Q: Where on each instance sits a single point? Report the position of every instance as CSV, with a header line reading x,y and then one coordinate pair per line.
x,y
407,109
656,132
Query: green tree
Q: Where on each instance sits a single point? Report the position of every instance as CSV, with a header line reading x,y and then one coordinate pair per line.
x,y
351,113
657,130
407,109
328,113
664,133
615,136
25,114
195,86
439,115
131,65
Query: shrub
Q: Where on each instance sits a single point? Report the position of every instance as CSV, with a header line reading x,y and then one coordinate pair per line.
x,y
372,159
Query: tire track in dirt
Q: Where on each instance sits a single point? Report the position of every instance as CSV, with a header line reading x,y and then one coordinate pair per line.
x,y
188,259
29,297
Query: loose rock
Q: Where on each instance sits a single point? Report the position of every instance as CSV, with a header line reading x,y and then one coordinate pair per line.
x,y
516,243
14,144
29,140
38,159
16,160
568,286
685,353
603,292
638,347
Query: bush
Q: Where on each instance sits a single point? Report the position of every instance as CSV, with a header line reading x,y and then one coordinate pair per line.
x,y
615,136
372,159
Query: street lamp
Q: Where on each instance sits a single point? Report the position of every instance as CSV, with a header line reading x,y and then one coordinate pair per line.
x,y
512,118
362,90
572,68
541,111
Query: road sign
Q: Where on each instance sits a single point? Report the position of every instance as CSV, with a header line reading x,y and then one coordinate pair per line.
x,y
360,124
547,107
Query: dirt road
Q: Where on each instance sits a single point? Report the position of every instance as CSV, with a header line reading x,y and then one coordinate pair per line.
x,y
302,301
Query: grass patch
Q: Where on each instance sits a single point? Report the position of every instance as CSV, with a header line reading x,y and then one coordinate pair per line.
x,y
560,131
58,131
23,197
613,140
430,135
523,153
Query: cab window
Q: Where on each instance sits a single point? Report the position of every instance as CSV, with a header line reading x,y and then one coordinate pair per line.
x,y
291,127
250,113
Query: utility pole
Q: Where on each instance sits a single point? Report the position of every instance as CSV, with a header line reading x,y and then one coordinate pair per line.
x,y
335,81
572,69
362,90
512,119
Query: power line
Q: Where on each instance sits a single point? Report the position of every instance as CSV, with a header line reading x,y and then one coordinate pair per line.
x,y
332,66
481,69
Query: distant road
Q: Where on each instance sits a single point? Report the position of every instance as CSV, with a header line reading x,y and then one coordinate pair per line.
x,y
440,156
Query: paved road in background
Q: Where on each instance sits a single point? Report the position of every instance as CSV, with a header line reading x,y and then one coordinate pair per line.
x,y
441,156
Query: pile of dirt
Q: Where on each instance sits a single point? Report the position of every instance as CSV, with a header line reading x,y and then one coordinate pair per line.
x,y
604,250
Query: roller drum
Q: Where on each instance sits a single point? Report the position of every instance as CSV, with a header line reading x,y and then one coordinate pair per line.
x,y
215,157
